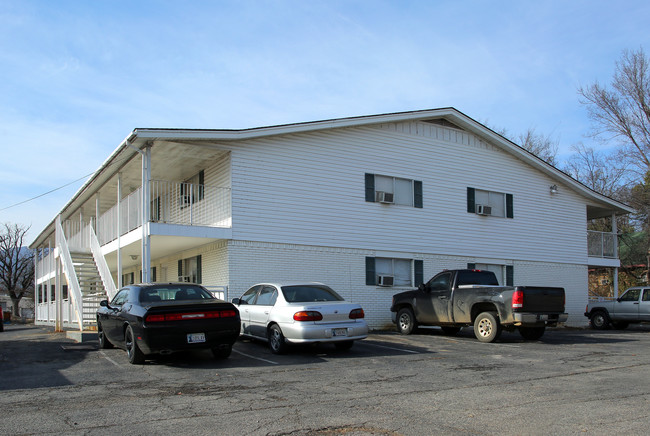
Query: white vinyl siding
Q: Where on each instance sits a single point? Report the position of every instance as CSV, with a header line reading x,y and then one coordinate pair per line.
x,y
308,189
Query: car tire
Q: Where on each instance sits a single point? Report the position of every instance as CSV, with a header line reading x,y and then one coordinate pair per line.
x,y
406,323
104,343
277,343
487,327
222,351
599,320
450,330
532,333
343,345
134,353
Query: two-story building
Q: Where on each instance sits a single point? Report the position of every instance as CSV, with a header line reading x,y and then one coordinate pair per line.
x,y
370,205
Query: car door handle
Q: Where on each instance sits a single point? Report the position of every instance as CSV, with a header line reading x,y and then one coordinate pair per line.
x,y
636,302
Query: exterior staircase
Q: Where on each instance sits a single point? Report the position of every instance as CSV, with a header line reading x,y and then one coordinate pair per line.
x,y
92,288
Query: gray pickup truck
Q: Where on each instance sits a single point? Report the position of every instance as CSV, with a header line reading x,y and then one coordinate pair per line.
x,y
631,307
457,298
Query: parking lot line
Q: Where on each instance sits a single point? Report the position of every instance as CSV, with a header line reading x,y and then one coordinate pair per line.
x,y
109,359
256,358
389,348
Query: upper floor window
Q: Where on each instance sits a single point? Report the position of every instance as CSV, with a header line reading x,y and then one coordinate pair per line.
x,y
393,190
490,203
193,189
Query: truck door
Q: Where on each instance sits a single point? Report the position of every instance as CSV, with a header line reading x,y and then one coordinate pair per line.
x,y
644,306
627,307
433,302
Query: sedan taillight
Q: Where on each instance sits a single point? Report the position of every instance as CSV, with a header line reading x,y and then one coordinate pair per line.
x,y
155,317
357,314
307,315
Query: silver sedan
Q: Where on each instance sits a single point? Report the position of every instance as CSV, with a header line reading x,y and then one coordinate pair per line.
x,y
284,314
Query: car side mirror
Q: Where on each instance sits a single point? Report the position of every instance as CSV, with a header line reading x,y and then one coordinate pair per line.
x,y
104,303
236,301
422,287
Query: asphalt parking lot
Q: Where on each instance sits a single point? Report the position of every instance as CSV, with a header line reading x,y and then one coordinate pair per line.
x,y
569,382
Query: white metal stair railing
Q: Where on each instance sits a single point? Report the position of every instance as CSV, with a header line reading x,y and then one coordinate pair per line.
x,y
102,266
90,283
74,289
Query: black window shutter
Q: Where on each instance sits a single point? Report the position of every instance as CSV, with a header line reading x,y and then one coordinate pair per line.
x,y
510,275
417,193
199,272
509,206
180,268
370,187
153,274
371,280
471,202
471,266
418,267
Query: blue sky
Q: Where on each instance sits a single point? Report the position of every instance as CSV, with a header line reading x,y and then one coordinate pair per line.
x,y
78,76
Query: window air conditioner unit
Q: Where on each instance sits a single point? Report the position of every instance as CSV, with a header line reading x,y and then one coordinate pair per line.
x,y
385,197
184,279
482,209
385,280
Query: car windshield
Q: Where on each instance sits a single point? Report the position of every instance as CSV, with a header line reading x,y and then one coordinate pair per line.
x,y
170,292
309,293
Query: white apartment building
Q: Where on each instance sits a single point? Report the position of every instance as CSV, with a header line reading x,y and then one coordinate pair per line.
x,y
369,205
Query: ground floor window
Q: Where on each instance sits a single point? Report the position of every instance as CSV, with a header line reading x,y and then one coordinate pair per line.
x,y
189,270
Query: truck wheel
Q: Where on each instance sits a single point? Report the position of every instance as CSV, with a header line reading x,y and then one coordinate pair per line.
x,y
532,333
405,321
487,327
599,320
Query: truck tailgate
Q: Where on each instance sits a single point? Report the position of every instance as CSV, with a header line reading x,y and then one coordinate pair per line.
x,y
542,299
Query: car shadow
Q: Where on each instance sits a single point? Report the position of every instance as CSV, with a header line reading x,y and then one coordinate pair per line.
x,y
256,353
552,336
34,357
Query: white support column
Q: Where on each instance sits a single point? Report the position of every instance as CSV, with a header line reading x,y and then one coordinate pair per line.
x,y
146,200
58,302
97,212
615,233
119,231
48,291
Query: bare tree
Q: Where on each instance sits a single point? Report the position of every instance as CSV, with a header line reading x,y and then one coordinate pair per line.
x,y
597,170
622,111
16,264
542,146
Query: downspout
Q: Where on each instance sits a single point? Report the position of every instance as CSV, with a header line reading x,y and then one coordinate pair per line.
x,y
615,232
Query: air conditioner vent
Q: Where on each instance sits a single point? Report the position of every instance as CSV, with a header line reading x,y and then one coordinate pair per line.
x,y
385,197
385,280
482,209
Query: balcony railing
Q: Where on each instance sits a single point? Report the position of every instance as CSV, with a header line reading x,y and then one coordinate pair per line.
x,y
173,203
601,244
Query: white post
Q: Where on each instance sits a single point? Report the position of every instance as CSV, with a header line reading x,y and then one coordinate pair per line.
x,y
119,231
615,235
146,199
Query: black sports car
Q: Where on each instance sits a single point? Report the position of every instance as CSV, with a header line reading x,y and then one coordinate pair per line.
x,y
160,318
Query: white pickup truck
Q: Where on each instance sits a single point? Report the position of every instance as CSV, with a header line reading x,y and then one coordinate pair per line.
x,y
631,307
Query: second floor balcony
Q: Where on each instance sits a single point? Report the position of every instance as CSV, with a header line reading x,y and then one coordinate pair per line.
x,y
171,203
602,244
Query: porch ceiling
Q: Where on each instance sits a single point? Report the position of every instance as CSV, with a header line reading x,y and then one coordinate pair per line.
x,y
162,246
171,161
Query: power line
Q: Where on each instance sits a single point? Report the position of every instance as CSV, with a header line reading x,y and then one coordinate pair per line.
x,y
46,193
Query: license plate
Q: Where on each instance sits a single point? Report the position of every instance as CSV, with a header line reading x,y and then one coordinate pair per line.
x,y
193,338
543,318
339,332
